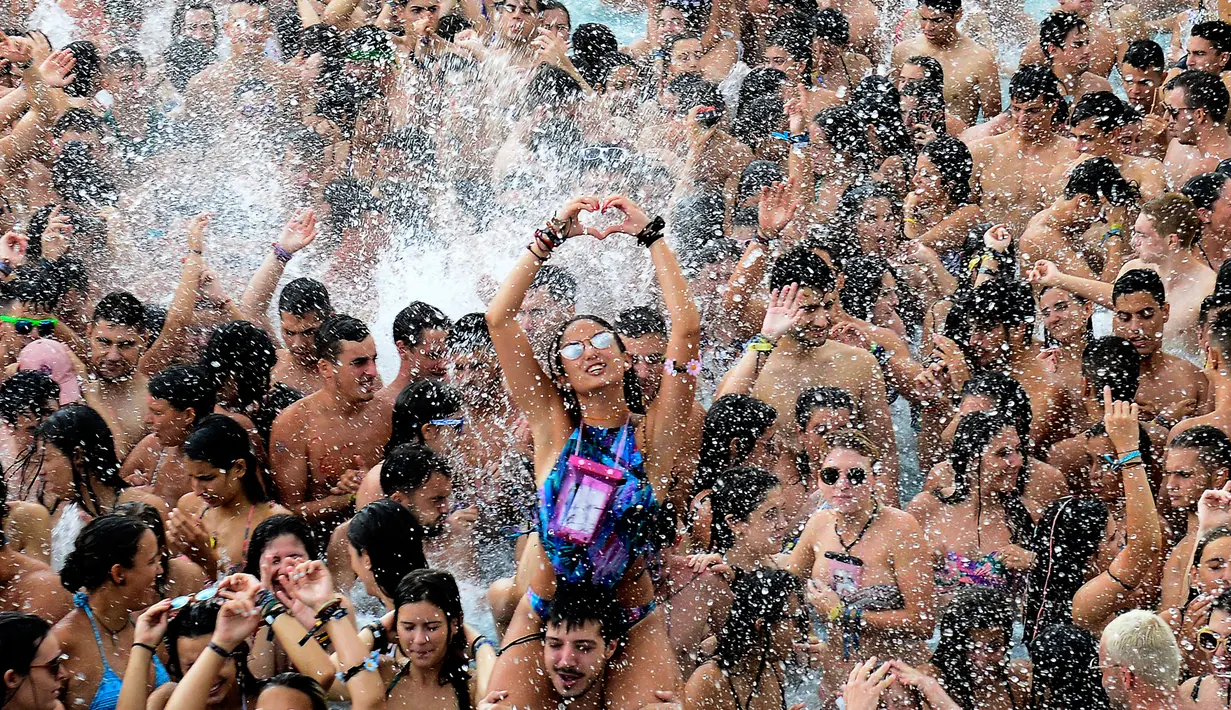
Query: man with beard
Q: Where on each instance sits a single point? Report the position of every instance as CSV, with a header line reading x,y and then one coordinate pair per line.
x,y
322,445
580,636
1171,388
118,365
1140,662
1197,459
1196,103
798,354
302,307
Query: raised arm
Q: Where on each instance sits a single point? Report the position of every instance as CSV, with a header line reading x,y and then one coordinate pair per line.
x,y
150,629
783,313
298,233
1108,593
46,100
1046,273
171,341
238,619
338,12
532,390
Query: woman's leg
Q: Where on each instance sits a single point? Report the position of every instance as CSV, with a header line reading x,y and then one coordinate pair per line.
x,y
519,669
644,665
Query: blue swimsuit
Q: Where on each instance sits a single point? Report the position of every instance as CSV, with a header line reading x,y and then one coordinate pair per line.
x,y
108,693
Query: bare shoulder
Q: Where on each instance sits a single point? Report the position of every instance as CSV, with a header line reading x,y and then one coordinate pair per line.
x,y
902,520
26,513
842,352
922,507
190,504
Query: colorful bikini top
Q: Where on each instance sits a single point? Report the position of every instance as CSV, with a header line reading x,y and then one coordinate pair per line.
x,y
597,512
985,571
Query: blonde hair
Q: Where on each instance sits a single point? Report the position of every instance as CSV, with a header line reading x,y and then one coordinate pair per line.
x,y
1142,642
1174,213
852,439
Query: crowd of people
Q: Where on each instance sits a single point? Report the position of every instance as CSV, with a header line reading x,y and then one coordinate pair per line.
x,y
796,300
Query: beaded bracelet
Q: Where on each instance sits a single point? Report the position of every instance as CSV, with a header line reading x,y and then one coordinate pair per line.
x,y
371,663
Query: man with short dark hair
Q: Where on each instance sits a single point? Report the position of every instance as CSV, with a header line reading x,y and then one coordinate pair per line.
x,y
1196,103
1209,48
971,76
550,302
419,332
1065,40
1143,72
119,360
178,398
1096,123
322,445
302,307
1013,169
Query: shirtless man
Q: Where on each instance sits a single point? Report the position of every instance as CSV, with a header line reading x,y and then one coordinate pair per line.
x,y
1211,195
1103,41
800,354
1218,374
302,307
248,26
419,332
1142,73
971,77
178,398
1196,103
322,445
1058,233
1171,388
1096,122
863,19
1066,40
513,31
1209,49
863,550
1012,170
116,340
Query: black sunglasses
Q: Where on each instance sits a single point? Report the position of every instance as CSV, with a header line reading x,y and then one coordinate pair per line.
x,y
830,475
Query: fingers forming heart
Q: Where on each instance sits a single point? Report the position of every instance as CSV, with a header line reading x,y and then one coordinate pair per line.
x,y
603,222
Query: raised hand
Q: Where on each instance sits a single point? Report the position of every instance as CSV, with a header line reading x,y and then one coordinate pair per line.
x,y
57,234
351,479
311,584
299,232
196,233
57,69
1121,421
567,214
237,620
237,586
776,209
864,685
635,218
997,238
552,49
1214,508
152,624
1044,273
13,248
783,313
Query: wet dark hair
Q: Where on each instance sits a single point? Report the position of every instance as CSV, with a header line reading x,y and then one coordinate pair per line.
x,y
334,330
640,321
1217,33
632,386
949,7
877,103
417,405
439,588
297,681
1001,303
1145,54
953,161
760,598
933,71
1099,178
104,542
1111,362
832,26
78,176
181,14
221,442
1055,29
121,308
76,120
393,539
87,69
1066,537
850,209
561,285
409,466
1107,110
184,58
1062,656
1211,444
737,492
196,620
756,175
974,435
1009,400
732,418
1203,91
846,133
863,288
470,333
814,398
1033,81
802,266
77,430
272,528
757,119
184,387
1139,281
551,87
412,320
20,636
151,518
1205,189
594,49
578,603
26,392
971,609
1206,540
303,296
245,354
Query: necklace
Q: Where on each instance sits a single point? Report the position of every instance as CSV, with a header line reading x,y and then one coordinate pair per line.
x,y
115,640
871,519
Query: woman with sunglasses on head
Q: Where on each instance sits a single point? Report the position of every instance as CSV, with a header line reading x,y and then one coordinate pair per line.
x,y
213,524
978,529
868,575
32,675
584,420
113,570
